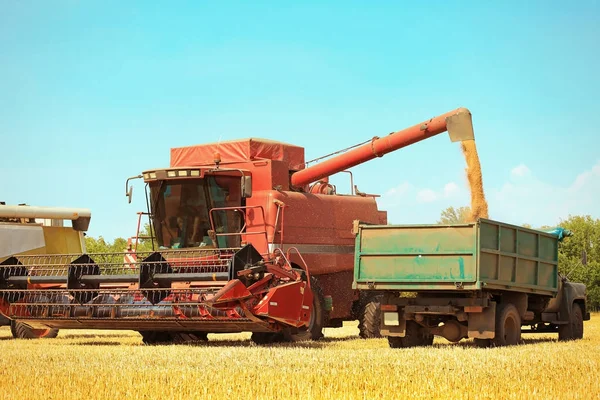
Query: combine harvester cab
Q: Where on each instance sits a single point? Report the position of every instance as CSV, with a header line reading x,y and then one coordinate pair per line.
x,y
35,231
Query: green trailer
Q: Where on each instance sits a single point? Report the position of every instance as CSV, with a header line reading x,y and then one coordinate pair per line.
x,y
486,280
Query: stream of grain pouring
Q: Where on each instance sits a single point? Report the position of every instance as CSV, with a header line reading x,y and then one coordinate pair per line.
x,y
479,206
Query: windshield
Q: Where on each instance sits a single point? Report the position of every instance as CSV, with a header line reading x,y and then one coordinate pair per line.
x,y
180,211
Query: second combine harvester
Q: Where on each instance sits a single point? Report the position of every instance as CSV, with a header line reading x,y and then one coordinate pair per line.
x,y
248,237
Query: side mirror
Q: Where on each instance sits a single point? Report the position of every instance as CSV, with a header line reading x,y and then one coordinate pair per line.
x,y
129,194
129,189
246,186
583,257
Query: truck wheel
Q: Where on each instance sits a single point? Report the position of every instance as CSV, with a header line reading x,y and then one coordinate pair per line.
x,y
415,336
482,342
508,325
369,318
574,329
20,330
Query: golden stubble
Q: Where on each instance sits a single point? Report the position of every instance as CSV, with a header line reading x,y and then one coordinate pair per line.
x,y
115,365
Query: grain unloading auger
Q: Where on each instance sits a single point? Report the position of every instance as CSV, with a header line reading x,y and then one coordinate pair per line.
x,y
252,200
166,295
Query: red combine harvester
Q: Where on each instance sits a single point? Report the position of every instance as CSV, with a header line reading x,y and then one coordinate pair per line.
x,y
247,239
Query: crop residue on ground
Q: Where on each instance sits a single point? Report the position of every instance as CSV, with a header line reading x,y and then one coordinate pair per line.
x,y
113,365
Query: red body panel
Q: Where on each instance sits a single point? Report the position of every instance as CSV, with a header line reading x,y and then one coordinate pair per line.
x,y
319,226
235,150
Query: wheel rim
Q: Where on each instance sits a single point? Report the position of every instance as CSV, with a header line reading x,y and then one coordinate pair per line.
x,y
41,332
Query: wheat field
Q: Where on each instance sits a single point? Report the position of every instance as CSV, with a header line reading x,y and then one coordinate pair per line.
x,y
115,364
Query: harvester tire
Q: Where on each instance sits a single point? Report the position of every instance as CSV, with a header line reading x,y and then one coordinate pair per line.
x,y
156,337
369,318
20,330
313,332
414,336
574,329
318,318
508,325
267,337
188,337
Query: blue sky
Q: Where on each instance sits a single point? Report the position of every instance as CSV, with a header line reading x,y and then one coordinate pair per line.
x,y
92,92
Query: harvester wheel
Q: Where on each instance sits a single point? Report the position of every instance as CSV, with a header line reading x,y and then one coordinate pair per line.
x,y
187,337
415,335
574,329
313,332
369,318
156,337
508,325
317,319
267,337
20,330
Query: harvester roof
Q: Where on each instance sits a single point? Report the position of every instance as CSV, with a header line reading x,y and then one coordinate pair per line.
x,y
248,149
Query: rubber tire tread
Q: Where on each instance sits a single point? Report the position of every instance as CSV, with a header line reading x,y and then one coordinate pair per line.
x,y
23,331
483,343
503,311
369,318
315,332
156,337
574,329
414,337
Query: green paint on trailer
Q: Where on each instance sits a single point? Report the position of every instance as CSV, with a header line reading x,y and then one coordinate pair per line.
x,y
487,254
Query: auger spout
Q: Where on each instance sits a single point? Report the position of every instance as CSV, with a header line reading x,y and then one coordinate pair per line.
x,y
457,122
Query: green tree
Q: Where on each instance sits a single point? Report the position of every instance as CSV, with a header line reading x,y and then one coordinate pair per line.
x,y
100,245
453,215
586,237
146,244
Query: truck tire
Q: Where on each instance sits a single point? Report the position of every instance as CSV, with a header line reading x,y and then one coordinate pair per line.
x,y
20,330
369,318
508,325
482,342
574,329
415,336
